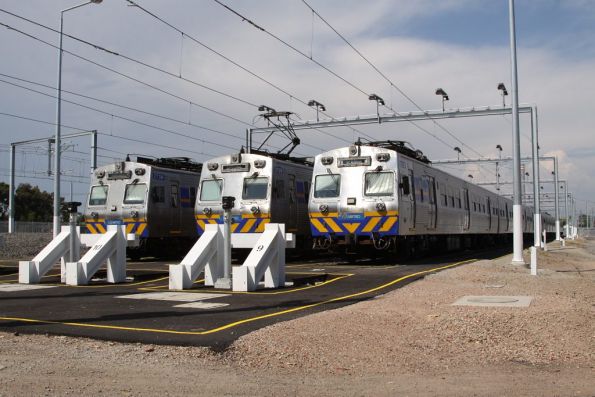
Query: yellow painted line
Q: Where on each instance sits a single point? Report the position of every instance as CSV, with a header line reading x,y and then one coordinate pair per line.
x,y
245,321
248,226
333,225
100,228
91,228
388,224
339,277
46,276
371,224
318,225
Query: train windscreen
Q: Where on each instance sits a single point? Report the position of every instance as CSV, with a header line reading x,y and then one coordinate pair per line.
x,y
135,194
210,190
327,185
255,188
98,195
379,184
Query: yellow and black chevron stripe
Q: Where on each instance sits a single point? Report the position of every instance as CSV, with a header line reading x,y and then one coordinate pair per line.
x,y
247,223
384,223
136,226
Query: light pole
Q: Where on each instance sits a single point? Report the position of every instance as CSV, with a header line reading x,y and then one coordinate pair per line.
x,y
59,121
319,107
379,102
443,94
458,150
498,163
504,93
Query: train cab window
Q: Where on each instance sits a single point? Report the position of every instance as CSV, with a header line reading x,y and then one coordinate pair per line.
x,y
255,188
379,184
98,195
280,189
210,190
135,194
327,185
158,194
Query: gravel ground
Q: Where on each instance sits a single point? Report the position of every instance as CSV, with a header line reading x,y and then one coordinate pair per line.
x,y
411,341
23,246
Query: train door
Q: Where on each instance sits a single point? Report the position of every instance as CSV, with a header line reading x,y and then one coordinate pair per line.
x,y
489,214
292,221
467,217
174,225
407,204
432,210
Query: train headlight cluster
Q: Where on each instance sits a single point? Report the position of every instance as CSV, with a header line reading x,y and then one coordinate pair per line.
x,y
212,166
94,215
259,163
100,174
326,160
207,211
255,210
383,157
380,207
139,171
323,208
134,214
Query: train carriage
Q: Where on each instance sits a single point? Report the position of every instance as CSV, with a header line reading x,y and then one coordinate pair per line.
x,y
266,187
385,194
154,198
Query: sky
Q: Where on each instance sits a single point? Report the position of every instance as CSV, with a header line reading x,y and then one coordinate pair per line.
x,y
164,93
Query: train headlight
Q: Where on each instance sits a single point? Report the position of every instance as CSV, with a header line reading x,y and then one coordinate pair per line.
x,y
326,160
207,211
383,157
380,207
94,215
259,163
134,214
212,166
323,208
100,174
255,210
139,171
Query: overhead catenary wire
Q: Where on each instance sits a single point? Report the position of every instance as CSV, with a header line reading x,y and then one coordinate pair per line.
x,y
245,69
101,48
357,88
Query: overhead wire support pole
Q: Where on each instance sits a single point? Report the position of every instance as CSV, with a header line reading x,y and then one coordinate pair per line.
x,y
11,202
558,238
517,208
535,152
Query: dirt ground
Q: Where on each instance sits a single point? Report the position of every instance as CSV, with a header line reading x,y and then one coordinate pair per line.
x,y
411,341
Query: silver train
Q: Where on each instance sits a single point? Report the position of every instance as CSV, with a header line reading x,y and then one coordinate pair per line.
x,y
267,188
386,195
154,198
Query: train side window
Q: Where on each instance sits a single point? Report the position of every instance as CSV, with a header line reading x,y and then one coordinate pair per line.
x,y
98,195
158,194
255,188
444,199
327,185
379,184
174,196
135,194
210,190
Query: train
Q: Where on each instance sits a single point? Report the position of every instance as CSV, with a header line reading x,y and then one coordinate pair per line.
x,y
386,195
267,187
153,197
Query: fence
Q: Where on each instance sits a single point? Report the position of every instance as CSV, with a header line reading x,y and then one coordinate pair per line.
x,y
27,227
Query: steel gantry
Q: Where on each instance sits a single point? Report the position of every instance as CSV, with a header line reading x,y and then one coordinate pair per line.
x,y
515,110
11,188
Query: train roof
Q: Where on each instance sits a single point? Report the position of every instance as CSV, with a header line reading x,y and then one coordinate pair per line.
x,y
308,161
176,163
401,147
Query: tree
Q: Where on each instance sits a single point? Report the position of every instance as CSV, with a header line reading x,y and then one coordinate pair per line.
x,y
31,204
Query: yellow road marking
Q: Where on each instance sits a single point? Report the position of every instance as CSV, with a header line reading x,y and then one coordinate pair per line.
x,y
245,321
